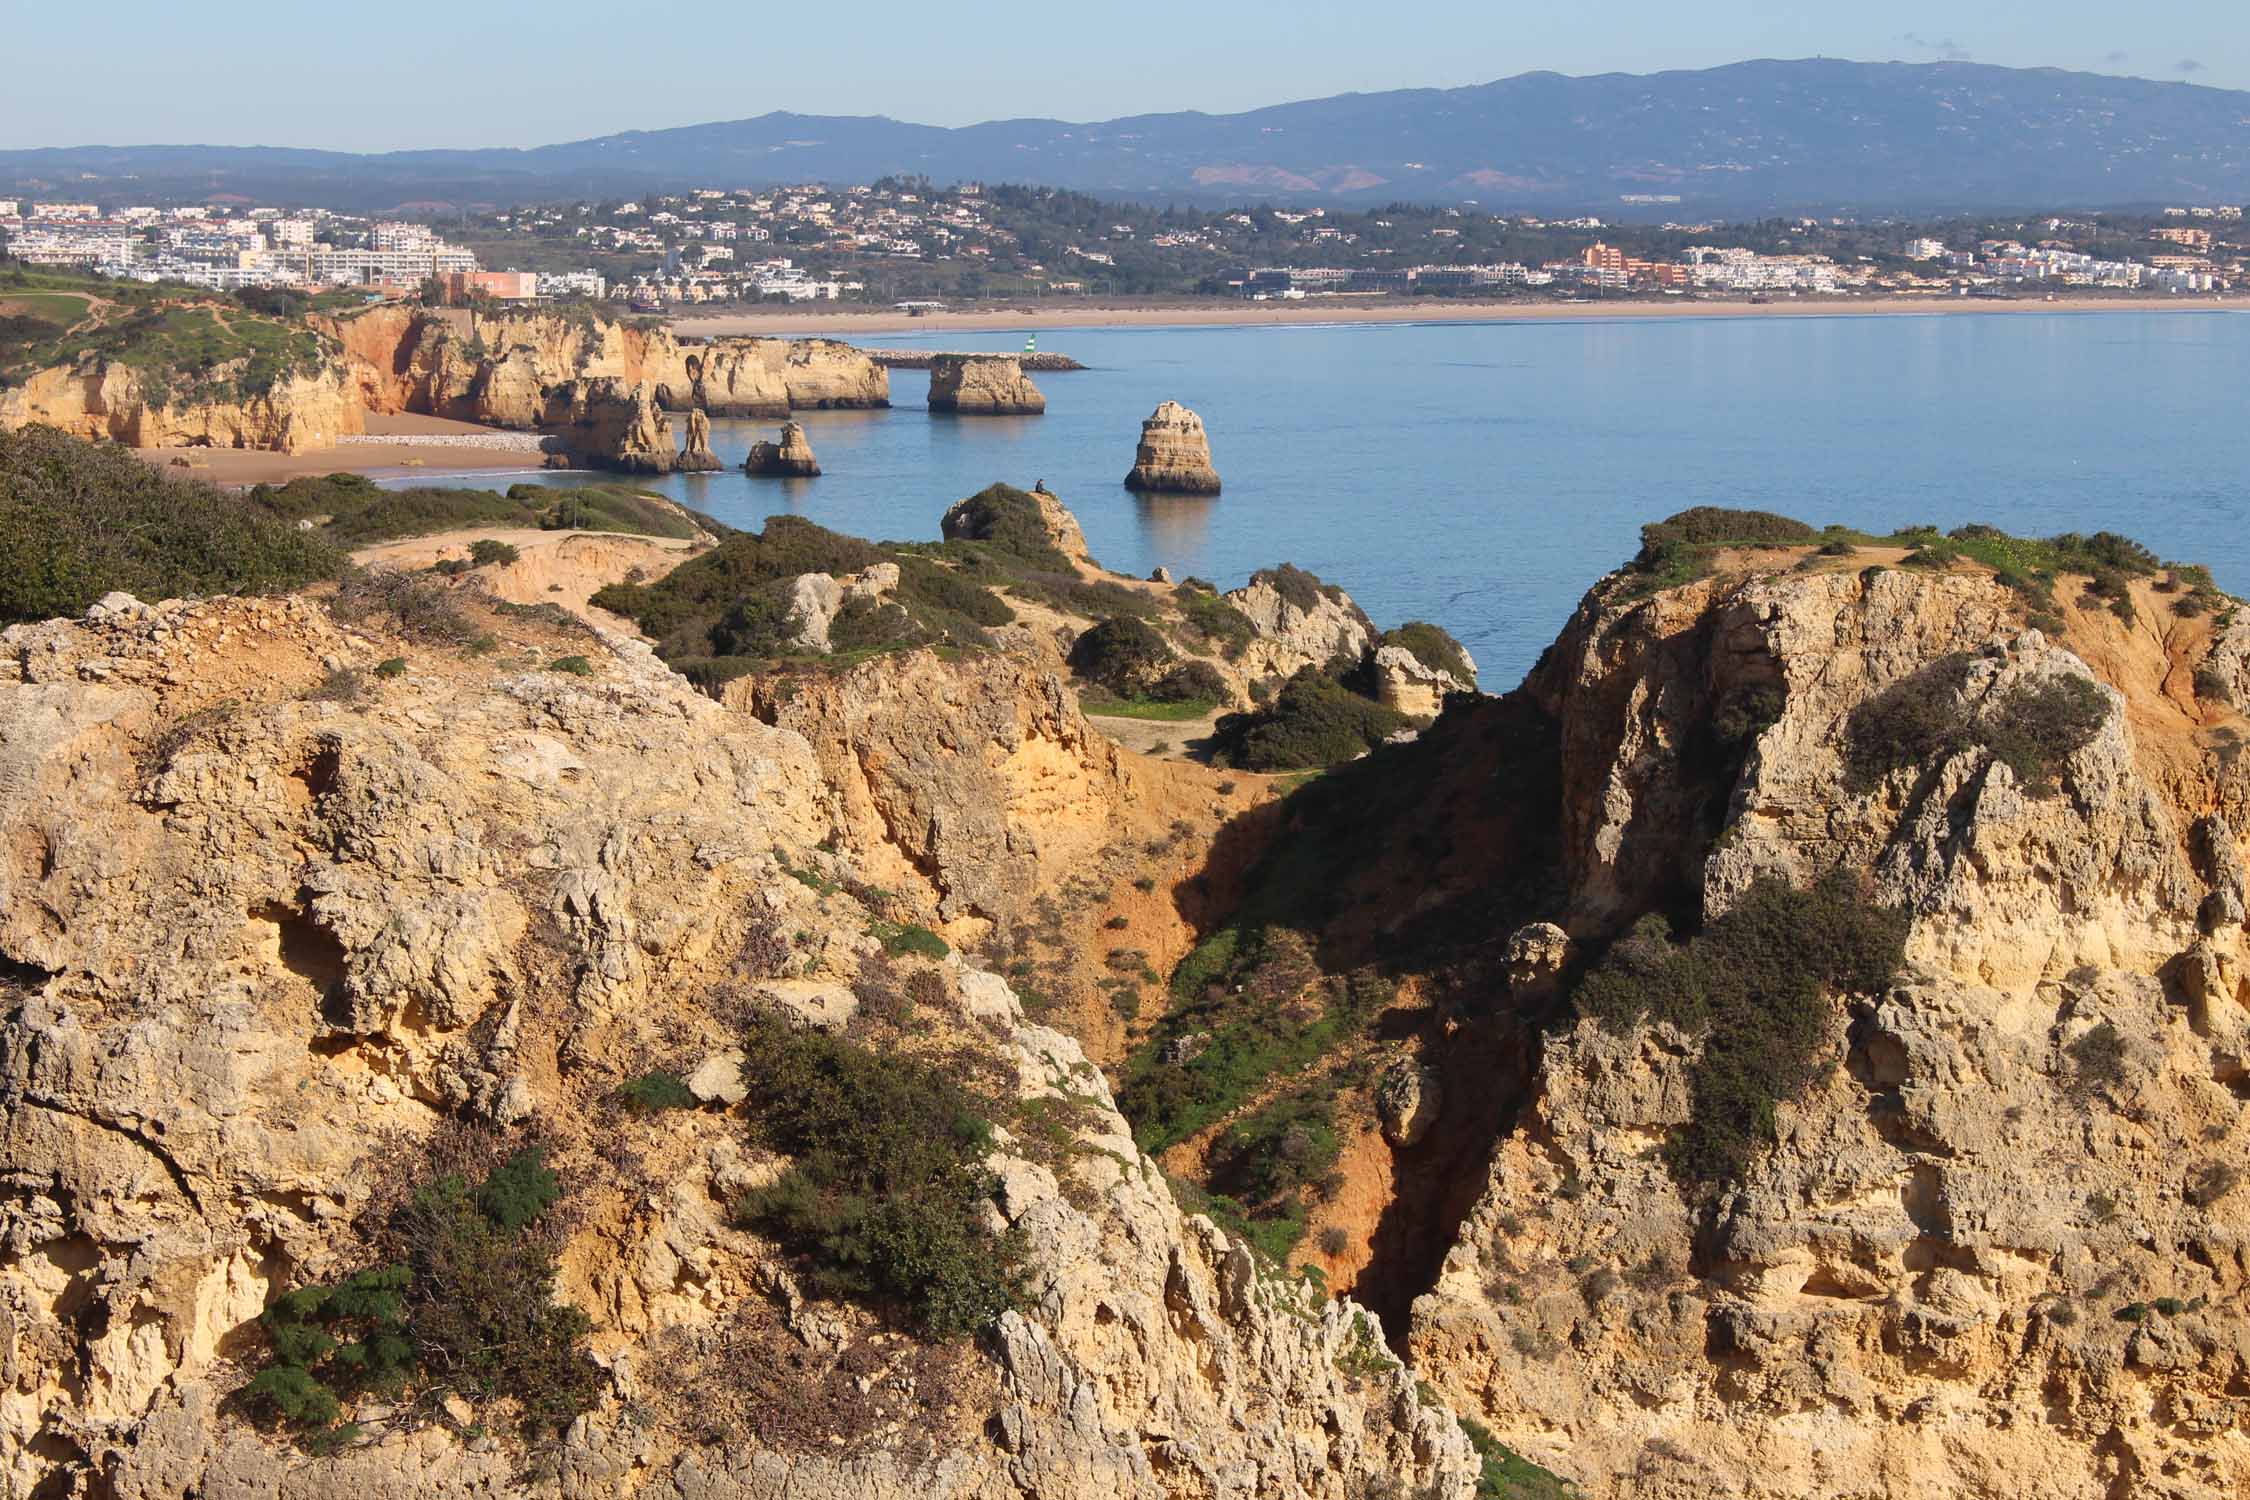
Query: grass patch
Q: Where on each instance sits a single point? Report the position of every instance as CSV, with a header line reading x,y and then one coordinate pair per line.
x,y
1504,1474
1102,706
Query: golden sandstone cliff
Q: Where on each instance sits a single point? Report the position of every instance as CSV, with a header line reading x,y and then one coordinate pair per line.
x,y
2000,1247
268,938
511,369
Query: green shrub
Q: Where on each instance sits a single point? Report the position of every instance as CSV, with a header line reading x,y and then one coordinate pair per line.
x,y
391,666
888,1191
902,939
1127,656
78,521
1922,719
576,666
652,1093
486,552
468,1305
1755,985
1505,1474
1209,618
1313,721
1274,1151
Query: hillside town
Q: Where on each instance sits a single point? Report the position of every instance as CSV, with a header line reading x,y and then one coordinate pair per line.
x,y
902,240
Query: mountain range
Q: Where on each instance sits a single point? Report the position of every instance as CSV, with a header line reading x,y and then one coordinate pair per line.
x,y
1746,139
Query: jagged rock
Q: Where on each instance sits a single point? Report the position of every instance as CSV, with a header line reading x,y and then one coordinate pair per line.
x,y
1408,1098
791,457
1174,456
696,456
491,864
983,386
1922,1274
609,423
1538,955
815,598
1160,574
1300,622
1412,686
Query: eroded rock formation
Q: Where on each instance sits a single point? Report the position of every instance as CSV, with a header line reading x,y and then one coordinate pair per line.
x,y
1173,456
1999,1248
791,457
609,423
261,941
695,454
983,386
104,399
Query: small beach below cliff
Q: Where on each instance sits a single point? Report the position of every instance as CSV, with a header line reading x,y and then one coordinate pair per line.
x,y
393,445
869,322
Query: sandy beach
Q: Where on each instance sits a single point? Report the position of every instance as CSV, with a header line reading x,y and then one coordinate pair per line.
x,y
246,466
860,323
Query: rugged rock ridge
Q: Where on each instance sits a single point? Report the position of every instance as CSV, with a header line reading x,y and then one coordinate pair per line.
x,y
258,937
105,399
1999,1250
1174,454
983,386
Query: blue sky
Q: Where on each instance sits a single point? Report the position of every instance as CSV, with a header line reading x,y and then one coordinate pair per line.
x,y
412,73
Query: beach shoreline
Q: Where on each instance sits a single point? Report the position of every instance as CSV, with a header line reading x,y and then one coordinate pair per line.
x,y
860,323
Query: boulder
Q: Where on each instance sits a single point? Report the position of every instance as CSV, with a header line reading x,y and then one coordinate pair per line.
x,y
1174,456
973,385
1408,1099
791,458
697,456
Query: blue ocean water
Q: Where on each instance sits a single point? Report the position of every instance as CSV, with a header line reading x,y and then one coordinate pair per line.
x,y
1482,475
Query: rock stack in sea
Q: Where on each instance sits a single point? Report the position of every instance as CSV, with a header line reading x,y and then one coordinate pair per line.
x,y
976,385
697,456
1174,457
790,458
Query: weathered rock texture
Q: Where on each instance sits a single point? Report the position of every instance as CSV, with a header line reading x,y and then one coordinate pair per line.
x,y
983,386
1299,623
258,943
695,452
610,423
1411,685
1174,456
1976,1264
791,457
104,399
965,522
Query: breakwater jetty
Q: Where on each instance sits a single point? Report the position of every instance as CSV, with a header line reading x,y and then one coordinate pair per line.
x,y
922,359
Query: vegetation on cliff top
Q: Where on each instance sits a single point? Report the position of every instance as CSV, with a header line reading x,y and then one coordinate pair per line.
x,y
353,510
80,520
1009,520
1433,646
1922,720
1315,720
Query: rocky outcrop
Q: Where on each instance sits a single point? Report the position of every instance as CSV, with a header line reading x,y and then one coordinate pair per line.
x,y
1300,622
791,457
613,424
259,942
1997,1248
974,520
974,784
1413,686
975,385
1173,456
107,400
695,454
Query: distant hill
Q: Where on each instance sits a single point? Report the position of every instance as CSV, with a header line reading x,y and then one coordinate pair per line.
x,y
1750,138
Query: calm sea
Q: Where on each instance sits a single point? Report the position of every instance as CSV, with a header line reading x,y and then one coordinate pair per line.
x,y
1482,475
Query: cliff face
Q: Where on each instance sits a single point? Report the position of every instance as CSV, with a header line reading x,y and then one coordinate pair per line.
x,y
108,400
1999,1249
610,423
262,941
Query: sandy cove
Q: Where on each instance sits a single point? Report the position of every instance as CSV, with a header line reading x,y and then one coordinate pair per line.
x,y
858,323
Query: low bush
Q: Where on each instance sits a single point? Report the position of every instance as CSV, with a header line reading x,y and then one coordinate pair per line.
x,y
1211,621
1128,656
466,1304
487,552
888,1192
576,666
909,939
1268,1155
1008,519
415,607
653,1093
1314,721
1504,1474
1919,721
1433,647
78,521
1755,985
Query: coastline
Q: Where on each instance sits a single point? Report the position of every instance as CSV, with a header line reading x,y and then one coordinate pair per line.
x,y
861,323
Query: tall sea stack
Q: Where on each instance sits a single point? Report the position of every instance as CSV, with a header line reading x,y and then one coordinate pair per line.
x,y
1174,457
977,385
696,457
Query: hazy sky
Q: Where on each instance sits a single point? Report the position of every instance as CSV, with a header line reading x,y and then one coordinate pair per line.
x,y
409,73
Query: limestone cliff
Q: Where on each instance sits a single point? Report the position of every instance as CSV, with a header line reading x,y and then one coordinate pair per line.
x,y
1999,1248
106,399
983,386
609,423
1173,455
262,938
